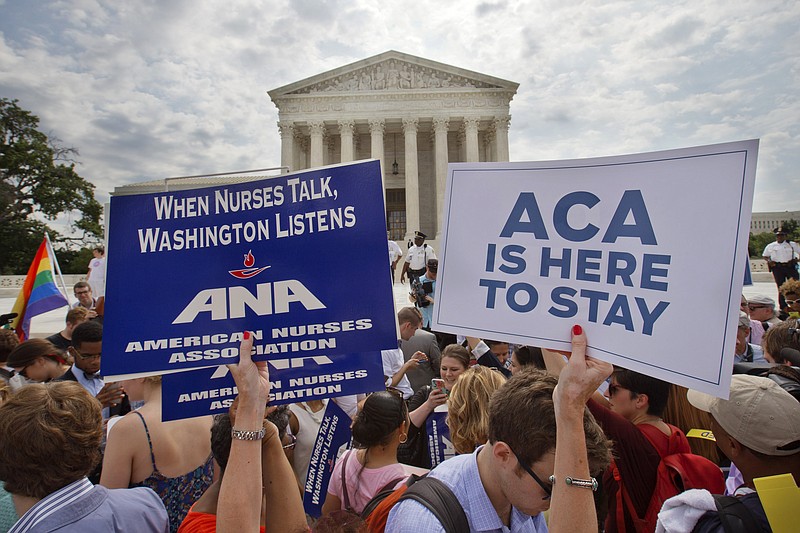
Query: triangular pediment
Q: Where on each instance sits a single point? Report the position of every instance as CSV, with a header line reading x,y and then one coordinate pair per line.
x,y
392,71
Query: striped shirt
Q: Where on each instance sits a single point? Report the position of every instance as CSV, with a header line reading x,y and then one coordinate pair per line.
x,y
52,503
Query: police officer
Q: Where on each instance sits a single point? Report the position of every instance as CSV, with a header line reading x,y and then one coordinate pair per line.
x,y
417,257
781,257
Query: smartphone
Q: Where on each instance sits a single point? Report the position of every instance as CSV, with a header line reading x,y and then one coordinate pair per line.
x,y
439,384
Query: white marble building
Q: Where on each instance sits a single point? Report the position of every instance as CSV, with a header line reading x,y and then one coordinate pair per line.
x,y
413,114
767,222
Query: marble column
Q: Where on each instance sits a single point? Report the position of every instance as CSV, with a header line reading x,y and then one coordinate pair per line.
x,y
501,137
440,127
471,133
412,176
329,148
346,139
316,129
287,145
300,151
487,144
376,129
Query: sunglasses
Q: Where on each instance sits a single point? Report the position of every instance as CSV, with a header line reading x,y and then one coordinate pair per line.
x,y
792,302
546,487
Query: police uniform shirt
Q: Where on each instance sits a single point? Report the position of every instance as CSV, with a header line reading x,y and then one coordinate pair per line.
x,y
781,252
418,256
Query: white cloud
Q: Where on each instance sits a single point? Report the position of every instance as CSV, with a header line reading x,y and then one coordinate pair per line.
x,y
152,89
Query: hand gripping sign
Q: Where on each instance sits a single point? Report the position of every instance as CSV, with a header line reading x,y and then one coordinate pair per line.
x,y
646,251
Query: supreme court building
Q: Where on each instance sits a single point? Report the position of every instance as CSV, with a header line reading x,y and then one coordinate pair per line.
x,y
413,114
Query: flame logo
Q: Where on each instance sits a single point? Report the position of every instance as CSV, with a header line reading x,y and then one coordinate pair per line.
x,y
249,271
249,259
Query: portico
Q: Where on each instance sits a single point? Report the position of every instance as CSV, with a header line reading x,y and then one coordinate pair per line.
x,y
413,114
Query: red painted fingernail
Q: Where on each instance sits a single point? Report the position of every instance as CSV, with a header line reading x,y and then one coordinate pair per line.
x,y
246,335
577,330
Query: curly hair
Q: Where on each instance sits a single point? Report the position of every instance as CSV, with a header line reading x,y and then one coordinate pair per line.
x,y
790,286
49,437
468,407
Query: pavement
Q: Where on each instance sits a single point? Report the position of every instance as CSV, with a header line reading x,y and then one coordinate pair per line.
x,y
52,322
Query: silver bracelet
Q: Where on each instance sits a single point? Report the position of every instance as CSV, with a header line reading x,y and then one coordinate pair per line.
x,y
575,482
243,434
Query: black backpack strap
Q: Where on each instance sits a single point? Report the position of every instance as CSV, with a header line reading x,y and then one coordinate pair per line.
x,y
734,515
440,500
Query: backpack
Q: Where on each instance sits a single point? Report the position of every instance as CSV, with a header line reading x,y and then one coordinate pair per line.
x,y
734,515
678,470
430,492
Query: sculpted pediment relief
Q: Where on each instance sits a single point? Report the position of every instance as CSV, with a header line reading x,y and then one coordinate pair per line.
x,y
394,75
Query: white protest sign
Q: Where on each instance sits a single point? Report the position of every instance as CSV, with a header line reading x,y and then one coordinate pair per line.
x,y
646,252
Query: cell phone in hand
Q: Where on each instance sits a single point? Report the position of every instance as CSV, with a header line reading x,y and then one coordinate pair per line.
x,y
439,385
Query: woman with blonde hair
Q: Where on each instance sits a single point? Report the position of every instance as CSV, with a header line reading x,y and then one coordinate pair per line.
x,y
172,458
468,407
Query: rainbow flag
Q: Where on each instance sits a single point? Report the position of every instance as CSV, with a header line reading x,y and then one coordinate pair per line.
x,y
39,294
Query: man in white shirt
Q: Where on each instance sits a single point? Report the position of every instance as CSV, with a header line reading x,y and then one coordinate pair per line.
x,y
395,253
781,257
417,257
394,367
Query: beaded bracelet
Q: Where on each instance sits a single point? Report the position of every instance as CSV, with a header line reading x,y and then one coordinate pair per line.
x,y
575,482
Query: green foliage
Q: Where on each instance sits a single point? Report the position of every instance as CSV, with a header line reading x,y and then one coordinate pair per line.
x,y
759,241
38,180
75,261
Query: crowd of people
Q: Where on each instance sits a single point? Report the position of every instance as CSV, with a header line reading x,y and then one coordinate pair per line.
x,y
536,440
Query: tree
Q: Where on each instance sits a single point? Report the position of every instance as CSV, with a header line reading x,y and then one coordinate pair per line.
x,y
38,182
759,241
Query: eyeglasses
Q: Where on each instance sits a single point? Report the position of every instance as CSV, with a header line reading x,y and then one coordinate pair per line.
x,y
86,357
752,307
547,488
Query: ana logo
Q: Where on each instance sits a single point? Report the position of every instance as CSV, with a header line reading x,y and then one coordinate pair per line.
x,y
250,271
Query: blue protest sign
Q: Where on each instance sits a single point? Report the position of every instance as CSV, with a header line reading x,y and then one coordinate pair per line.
x,y
440,447
334,432
208,391
299,260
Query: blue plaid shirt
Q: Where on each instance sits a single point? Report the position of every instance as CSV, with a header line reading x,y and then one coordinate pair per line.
x,y
461,474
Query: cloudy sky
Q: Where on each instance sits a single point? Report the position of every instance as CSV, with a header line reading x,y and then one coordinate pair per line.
x,y
148,89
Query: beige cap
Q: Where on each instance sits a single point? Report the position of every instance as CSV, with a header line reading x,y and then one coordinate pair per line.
x,y
759,414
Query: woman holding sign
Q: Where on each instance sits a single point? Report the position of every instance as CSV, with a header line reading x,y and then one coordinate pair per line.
x,y
454,362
